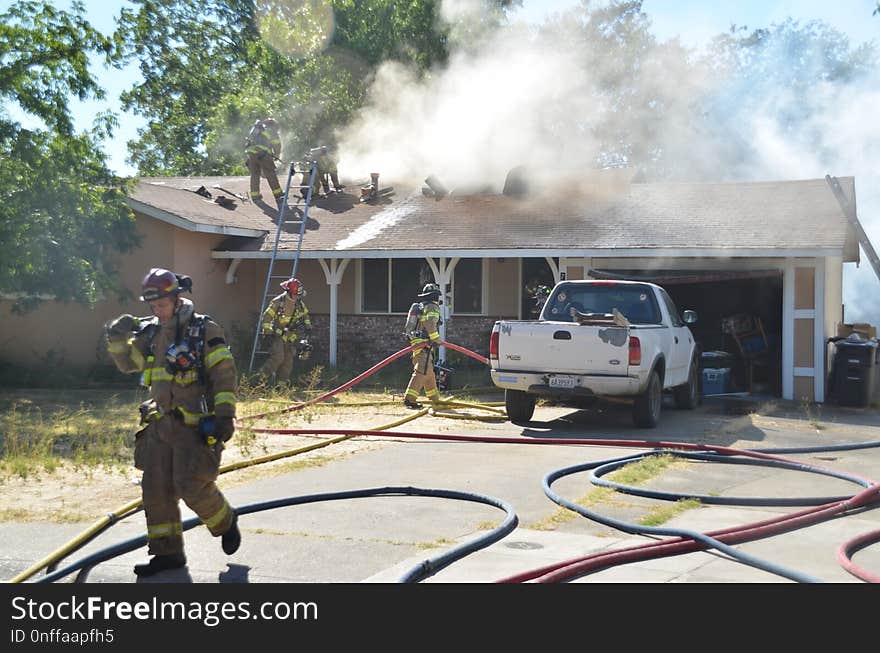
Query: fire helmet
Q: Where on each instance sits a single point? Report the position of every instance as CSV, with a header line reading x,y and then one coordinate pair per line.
x,y
430,291
270,123
294,286
160,282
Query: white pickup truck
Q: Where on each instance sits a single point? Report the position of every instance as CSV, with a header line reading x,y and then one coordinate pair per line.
x,y
598,339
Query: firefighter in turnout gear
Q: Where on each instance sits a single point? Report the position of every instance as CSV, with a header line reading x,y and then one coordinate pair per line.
x,y
286,327
188,368
262,147
326,172
421,326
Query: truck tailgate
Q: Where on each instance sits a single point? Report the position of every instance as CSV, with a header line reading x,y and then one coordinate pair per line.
x,y
563,347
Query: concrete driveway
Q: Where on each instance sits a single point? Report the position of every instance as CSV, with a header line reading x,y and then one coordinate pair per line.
x,y
382,538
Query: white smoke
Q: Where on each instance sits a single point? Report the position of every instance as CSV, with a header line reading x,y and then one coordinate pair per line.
x,y
534,96
472,121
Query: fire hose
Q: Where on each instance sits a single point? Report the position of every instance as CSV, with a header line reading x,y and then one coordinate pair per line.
x,y
684,541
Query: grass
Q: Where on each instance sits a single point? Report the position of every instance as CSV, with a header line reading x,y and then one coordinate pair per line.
x,y
44,428
636,473
40,429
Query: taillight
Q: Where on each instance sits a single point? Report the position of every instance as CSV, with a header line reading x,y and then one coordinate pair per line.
x,y
635,351
493,344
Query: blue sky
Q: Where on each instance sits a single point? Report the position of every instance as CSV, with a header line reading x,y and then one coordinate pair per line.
x,y
693,21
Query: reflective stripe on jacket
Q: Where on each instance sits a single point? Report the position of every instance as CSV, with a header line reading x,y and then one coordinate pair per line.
x,y
182,391
283,319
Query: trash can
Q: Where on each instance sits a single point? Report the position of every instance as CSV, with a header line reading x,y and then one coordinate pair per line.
x,y
854,372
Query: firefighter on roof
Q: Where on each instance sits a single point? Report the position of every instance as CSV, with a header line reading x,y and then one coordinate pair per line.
x,y
185,362
287,327
263,147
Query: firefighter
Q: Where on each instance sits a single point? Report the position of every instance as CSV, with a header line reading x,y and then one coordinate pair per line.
x,y
421,327
325,173
287,326
185,362
327,168
263,147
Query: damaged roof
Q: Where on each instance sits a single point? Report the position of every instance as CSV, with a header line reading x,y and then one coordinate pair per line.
x,y
772,218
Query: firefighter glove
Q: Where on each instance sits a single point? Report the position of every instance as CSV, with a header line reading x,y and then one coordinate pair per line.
x,y
123,325
224,427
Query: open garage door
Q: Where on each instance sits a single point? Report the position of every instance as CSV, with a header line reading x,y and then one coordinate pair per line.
x,y
724,300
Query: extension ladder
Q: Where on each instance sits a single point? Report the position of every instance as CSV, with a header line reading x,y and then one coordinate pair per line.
x,y
850,214
269,292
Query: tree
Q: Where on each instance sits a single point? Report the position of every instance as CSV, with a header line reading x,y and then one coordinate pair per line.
x,y
63,213
210,69
785,76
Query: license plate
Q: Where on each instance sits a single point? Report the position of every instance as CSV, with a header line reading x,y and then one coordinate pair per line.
x,y
562,381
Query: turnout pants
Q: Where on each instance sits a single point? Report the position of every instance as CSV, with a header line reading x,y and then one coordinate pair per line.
x,y
423,376
263,165
280,360
177,464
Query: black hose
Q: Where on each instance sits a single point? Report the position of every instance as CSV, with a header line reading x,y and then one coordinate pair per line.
x,y
595,478
627,527
421,571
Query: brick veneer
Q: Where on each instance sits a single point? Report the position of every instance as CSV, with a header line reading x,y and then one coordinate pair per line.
x,y
364,340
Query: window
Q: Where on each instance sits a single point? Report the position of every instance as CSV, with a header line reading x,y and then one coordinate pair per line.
x,y
674,315
467,286
391,285
375,285
635,302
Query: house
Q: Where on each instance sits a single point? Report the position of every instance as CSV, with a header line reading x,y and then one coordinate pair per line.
x,y
773,250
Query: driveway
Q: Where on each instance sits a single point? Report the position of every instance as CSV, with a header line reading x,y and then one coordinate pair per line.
x,y
382,537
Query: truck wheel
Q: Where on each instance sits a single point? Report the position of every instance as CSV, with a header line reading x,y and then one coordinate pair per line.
x,y
646,409
688,395
520,406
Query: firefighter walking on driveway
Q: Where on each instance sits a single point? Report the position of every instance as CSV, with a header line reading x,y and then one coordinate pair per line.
x,y
188,368
262,147
421,326
287,326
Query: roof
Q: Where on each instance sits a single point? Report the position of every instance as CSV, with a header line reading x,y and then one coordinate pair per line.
x,y
771,218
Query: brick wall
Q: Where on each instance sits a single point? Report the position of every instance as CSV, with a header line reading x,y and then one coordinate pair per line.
x,y
364,340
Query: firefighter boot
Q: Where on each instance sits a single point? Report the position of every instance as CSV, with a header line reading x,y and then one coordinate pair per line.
x,y
231,539
160,563
409,403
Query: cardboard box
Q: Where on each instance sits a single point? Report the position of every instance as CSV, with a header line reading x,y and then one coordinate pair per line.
x,y
864,329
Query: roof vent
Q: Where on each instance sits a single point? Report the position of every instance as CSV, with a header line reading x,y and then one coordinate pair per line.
x,y
434,187
516,184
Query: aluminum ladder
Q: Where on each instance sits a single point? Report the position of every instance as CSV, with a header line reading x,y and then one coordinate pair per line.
x,y
269,292
850,213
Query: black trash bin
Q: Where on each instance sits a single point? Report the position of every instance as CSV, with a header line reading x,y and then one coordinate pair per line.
x,y
854,372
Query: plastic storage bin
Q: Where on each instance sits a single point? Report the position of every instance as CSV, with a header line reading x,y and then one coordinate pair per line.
x,y
716,381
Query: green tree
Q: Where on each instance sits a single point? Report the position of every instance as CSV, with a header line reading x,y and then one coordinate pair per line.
x,y
786,74
628,77
211,68
63,212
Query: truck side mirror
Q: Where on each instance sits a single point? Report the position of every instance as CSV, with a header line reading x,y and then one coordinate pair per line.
x,y
689,317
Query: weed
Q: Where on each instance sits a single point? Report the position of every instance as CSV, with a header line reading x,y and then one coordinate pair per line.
x,y
661,514
634,474
813,413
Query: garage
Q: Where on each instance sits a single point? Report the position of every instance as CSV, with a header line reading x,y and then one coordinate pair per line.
x,y
739,327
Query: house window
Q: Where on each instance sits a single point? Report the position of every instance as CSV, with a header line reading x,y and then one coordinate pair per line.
x,y
467,286
375,285
391,285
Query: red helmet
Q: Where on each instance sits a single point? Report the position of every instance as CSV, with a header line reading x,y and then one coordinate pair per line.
x,y
160,282
294,287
